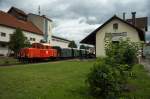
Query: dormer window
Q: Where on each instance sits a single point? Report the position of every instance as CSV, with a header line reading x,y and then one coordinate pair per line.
x,y
115,26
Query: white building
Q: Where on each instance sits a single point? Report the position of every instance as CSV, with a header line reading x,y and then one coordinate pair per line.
x,y
61,42
117,28
9,23
36,28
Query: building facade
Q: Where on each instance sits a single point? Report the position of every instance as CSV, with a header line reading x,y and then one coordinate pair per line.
x,y
61,42
116,28
44,24
6,32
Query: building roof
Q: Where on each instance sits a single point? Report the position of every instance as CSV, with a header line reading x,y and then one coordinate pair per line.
x,y
91,38
141,22
17,10
60,38
10,21
43,16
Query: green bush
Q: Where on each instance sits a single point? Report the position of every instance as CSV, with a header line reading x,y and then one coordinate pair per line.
x,y
123,52
108,77
104,80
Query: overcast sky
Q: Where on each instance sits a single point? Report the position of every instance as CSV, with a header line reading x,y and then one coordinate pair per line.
x,y
75,19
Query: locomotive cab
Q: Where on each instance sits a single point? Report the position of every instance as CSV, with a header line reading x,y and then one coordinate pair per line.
x,y
38,51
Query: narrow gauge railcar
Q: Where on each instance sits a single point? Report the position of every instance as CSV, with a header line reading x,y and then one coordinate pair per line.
x,y
76,52
38,52
83,53
66,53
70,53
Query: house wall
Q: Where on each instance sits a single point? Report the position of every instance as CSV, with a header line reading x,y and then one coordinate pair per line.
x,y
43,24
4,50
122,27
49,29
10,31
59,42
37,20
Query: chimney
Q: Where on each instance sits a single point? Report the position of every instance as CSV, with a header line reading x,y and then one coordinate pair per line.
x,y
134,18
124,16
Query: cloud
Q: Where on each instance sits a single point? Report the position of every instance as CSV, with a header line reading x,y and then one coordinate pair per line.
x,y
75,19
74,29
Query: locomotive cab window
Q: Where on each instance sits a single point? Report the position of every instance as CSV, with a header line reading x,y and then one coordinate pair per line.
x,y
115,26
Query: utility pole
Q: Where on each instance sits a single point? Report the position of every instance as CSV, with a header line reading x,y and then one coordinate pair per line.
x,y
39,10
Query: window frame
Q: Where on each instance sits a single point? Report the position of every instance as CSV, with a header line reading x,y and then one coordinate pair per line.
x,y
115,26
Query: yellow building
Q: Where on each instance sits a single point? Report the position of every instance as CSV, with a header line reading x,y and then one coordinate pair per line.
x,y
118,28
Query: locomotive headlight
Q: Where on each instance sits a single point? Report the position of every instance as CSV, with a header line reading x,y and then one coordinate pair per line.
x,y
46,52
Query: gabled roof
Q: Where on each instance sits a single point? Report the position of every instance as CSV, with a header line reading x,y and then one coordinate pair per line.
x,y
17,10
91,38
10,21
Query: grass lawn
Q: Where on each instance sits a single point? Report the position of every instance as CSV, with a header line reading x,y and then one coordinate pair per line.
x,y
141,82
58,80
54,80
8,61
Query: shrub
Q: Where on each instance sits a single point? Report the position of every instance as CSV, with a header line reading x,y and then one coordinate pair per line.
x,y
123,52
104,80
109,75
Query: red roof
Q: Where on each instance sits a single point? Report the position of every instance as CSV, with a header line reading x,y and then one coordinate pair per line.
x,y
141,22
10,21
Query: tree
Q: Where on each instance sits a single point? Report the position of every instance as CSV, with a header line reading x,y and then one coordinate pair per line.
x,y
72,44
82,47
17,41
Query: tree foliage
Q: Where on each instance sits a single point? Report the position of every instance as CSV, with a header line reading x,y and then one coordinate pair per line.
x,y
18,41
109,75
72,44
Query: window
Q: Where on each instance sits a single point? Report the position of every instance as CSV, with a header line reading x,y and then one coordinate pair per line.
x,y
3,34
115,42
3,45
115,26
26,38
33,39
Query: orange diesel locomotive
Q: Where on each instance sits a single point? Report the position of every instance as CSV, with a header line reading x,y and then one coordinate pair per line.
x,y
38,52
